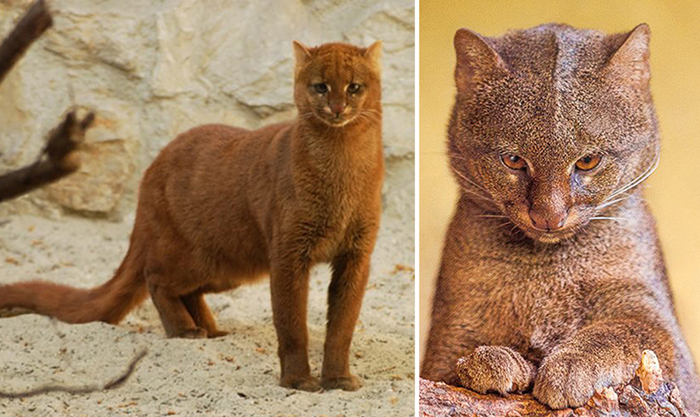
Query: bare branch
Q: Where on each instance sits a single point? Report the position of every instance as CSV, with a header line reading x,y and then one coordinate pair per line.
x,y
32,25
56,161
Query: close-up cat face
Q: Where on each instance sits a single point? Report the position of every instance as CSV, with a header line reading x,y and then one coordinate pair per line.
x,y
337,83
548,143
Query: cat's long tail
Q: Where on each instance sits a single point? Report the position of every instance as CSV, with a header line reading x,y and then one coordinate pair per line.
x,y
110,302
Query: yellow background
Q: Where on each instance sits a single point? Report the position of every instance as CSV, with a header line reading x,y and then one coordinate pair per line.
x,y
673,191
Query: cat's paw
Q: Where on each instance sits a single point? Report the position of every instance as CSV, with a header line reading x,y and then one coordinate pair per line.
x,y
566,380
217,333
495,369
306,383
196,333
346,383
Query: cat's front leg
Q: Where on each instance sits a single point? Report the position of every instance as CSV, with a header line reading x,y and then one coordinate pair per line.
x,y
350,276
289,283
602,354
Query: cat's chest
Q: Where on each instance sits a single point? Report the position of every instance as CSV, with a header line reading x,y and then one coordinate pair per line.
x,y
545,297
530,306
324,228
548,304
334,197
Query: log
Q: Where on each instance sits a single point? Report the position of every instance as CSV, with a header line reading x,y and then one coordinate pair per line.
x,y
647,394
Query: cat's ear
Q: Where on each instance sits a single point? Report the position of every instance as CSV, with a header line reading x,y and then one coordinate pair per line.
x,y
374,53
476,59
301,53
630,62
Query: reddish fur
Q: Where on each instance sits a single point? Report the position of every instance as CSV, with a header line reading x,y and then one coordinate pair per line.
x,y
222,206
109,303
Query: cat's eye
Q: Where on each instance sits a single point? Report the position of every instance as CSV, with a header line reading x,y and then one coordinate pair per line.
x,y
514,162
354,88
321,88
588,162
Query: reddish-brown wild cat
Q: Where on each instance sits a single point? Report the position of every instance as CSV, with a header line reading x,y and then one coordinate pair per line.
x,y
222,206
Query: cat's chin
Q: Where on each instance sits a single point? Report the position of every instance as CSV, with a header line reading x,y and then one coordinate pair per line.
x,y
337,123
549,237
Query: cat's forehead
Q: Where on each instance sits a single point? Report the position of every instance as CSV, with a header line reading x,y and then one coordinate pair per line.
x,y
556,50
339,61
554,100
551,128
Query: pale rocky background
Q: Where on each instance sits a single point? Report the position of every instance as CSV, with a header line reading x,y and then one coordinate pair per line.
x,y
151,70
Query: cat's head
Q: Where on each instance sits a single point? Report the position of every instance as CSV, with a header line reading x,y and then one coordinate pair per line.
x,y
337,84
552,126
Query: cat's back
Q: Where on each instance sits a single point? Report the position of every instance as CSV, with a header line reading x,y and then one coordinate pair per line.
x,y
205,145
214,138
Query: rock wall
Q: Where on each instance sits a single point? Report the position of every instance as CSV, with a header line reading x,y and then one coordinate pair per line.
x,y
153,69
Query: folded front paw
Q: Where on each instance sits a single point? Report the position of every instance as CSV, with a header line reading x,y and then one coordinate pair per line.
x,y
495,369
566,380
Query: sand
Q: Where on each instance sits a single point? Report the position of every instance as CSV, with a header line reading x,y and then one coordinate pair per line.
x,y
235,375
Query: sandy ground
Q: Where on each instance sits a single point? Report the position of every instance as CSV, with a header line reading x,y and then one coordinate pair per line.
x,y
231,376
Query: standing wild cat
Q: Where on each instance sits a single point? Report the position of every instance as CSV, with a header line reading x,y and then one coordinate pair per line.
x,y
221,206
552,276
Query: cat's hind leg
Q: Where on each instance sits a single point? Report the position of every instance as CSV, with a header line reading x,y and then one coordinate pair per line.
x,y
177,321
202,316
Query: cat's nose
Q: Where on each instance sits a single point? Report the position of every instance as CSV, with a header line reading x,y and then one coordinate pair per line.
x,y
337,108
548,219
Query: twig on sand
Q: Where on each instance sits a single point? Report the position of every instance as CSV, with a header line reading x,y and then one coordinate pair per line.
x,y
112,384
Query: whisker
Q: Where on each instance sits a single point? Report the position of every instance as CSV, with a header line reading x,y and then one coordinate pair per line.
x,y
361,116
641,178
610,203
369,117
474,193
616,219
467,179
304,116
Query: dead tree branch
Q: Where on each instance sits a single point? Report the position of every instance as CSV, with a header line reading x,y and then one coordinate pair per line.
x,y
114,383
57,160
32,25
